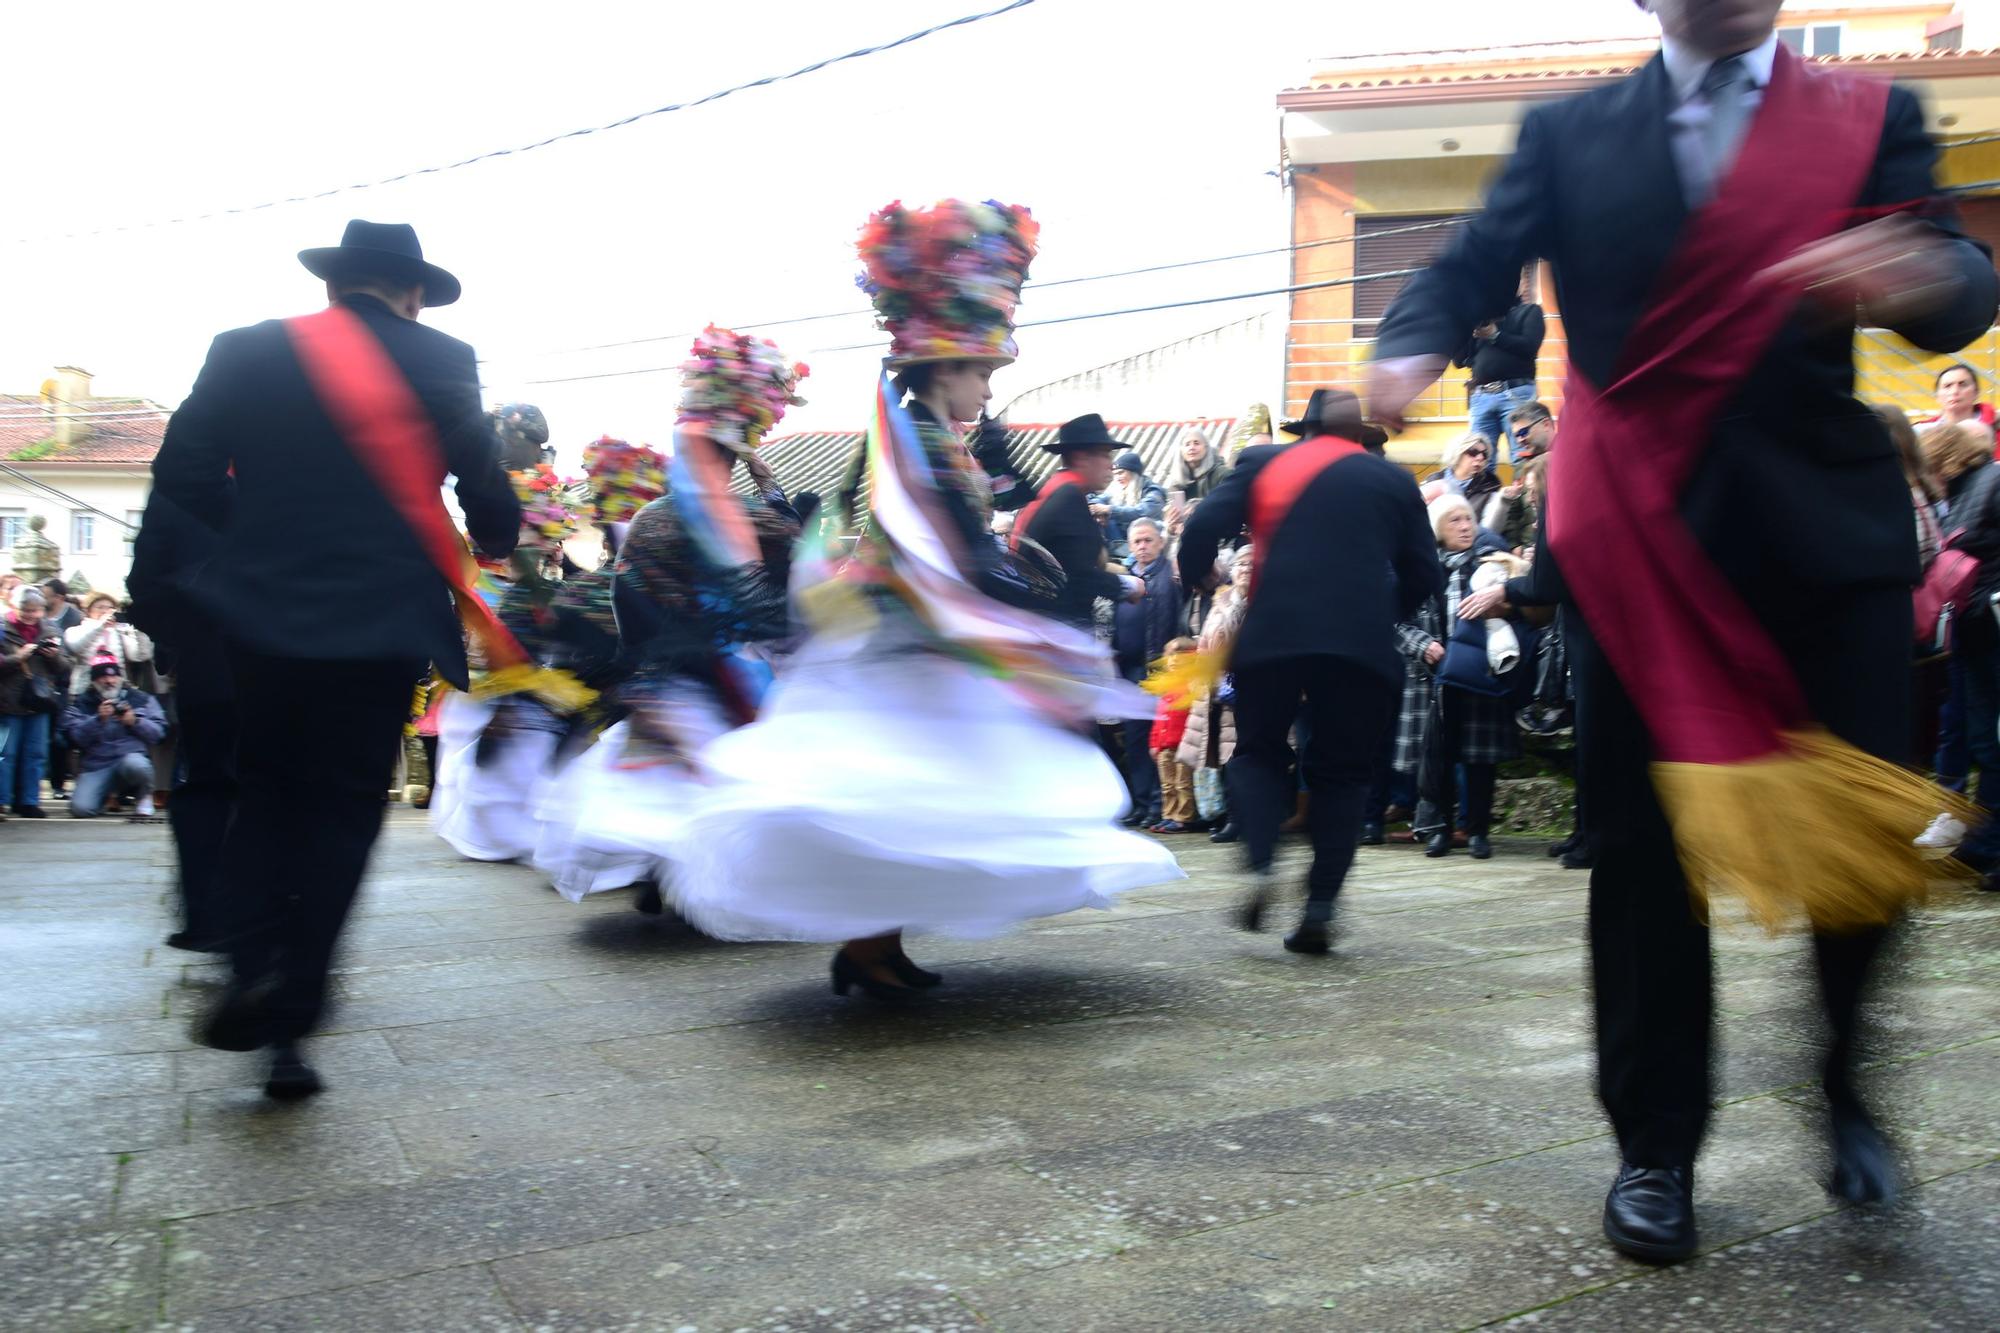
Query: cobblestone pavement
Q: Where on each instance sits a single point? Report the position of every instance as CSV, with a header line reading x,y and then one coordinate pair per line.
x,y
544,1116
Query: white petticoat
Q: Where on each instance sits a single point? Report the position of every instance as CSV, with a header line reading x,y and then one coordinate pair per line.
x,y
901,790
487,813
607,824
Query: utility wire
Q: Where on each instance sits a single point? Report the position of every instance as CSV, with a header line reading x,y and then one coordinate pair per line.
x,y
764,82
64,496
1432,225
1040,323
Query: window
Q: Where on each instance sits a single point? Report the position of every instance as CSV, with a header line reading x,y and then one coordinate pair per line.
x,y
82,533
1386,243
13,523
1820,39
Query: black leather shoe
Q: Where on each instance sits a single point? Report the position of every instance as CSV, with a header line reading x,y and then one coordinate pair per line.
x,y
1134,819
847,974
1372,835
238,1022
1481,847
1864,1165
910,974
1250,913
193,943
1649,1213
649,900
1311,937
1565,847
1578,858
1439,845
291,1079
1227,833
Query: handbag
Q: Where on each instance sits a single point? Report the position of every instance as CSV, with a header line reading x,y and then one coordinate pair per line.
x,y
40,697
1946,586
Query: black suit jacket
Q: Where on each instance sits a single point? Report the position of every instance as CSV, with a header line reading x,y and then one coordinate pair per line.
x,y
312,560
1354,555
1071,533
1800,483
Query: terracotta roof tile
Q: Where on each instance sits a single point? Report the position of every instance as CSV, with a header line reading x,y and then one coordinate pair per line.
x,y
121,431
1418,78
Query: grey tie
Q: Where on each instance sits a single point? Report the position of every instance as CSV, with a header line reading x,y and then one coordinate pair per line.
x,y
1727,87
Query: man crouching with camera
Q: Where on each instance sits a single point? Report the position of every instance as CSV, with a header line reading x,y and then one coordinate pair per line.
x,y
112,727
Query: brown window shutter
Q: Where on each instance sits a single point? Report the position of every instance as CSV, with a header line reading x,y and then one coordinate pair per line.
x,y
1375,253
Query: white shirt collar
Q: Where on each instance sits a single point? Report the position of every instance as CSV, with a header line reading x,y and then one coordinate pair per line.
x,y
1686,68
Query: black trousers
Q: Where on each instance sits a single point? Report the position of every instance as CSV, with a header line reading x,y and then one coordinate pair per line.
x,y
316,748
1349,709
1649,952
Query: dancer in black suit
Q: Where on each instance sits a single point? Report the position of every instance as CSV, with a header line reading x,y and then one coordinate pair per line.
x,y
1790,514
1343,551
329,602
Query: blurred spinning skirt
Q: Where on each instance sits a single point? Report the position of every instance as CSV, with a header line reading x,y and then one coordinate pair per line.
x,y
484,799
890,788
609,818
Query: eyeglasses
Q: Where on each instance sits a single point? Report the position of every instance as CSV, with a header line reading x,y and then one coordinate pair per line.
x,y
1475,453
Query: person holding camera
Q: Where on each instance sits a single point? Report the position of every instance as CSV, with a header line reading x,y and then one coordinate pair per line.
x,y
32,667
104,635
112,727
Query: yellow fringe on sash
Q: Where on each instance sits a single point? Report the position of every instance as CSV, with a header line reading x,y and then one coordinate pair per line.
x,y
558,689
1823,832
1192,676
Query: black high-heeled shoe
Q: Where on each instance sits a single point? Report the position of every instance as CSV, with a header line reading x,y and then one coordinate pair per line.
x,y
910,974
847,974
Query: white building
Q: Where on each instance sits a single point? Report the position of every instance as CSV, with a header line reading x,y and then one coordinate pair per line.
x,y
82,462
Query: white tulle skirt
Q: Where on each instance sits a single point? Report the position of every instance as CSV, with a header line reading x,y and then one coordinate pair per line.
x,y
888,789
489,812
612,816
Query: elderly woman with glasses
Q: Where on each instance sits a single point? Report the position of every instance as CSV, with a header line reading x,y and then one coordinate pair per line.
x,y
1465,472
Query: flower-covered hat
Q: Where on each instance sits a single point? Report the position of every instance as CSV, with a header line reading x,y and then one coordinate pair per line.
x,y
736,387
945,279
548,509
624,478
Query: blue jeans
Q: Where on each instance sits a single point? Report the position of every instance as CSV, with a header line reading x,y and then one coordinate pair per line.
x,y
132,775
1489,417
24,753
1954,751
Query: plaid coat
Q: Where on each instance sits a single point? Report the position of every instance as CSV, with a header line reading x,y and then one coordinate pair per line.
x,y
1490,734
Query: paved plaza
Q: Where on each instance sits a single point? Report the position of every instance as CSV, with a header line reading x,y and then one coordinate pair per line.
x,y
549,1117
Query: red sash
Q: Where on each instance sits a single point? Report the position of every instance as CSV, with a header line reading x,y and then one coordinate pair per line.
x,y
381,419
1279,485
1028,511
1711,685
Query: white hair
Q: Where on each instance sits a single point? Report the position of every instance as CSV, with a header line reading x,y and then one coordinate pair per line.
x,y
1451,502
1158,531
29,595
1456,449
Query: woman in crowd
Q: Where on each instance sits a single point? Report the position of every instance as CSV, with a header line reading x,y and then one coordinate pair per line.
x,y
1132,495
923,765
1516,509
1198,470
1958,399
1925,489
1210,738
104,637
1443,726
33,666
1465,472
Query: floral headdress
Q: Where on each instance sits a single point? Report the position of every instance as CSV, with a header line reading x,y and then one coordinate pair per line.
x,y
946,279
548,509
624,478
736,387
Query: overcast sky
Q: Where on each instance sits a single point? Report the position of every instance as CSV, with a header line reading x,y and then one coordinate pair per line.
x,y
1139,131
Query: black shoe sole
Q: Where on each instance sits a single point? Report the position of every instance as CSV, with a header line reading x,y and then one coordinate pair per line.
x,y
294,1087
1646,1251
1313,945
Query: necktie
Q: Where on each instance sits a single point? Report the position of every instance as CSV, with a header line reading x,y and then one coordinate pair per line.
x,y
1727,87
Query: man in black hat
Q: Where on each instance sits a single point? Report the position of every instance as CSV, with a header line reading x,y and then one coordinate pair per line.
x,y
317,448
1342,551
1059,520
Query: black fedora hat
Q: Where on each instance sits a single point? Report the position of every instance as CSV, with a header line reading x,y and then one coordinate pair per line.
x,y
1336,412
389,249
1085,432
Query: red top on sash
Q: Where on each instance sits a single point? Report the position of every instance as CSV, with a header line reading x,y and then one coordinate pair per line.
x,y
1711,685
379,416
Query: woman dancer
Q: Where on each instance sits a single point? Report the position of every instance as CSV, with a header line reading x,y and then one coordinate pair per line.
x,y
922,767
699,594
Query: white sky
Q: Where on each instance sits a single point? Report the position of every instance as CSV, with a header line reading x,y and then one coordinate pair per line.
x,y
1139,133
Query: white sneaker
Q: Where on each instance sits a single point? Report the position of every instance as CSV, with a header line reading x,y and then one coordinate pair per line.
x,y
1945,833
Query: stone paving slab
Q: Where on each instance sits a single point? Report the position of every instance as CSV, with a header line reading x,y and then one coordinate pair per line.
x,y
551,1116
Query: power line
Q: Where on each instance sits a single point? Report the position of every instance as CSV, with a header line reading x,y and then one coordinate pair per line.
x,y
764,82
1041,323
1431,225
64,496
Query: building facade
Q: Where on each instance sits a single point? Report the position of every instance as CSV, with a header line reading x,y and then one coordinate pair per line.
x,y
84,464
1387,155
